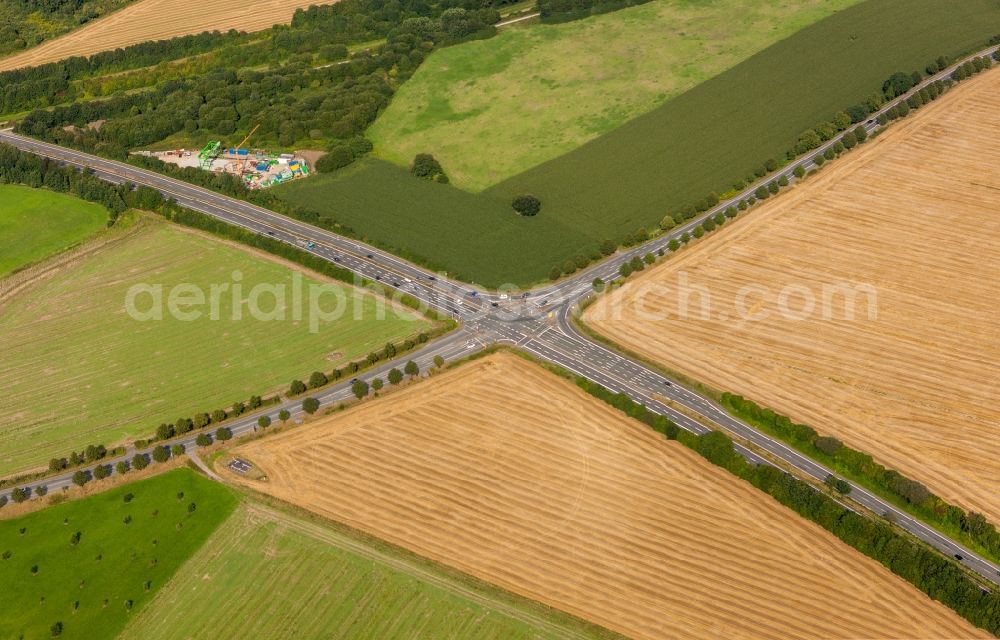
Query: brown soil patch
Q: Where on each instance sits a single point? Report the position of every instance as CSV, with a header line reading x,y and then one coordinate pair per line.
x,y
515,476
914,214
158,20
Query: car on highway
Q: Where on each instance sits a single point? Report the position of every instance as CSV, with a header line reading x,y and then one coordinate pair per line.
x,y
431,278
472,294
311,245
958,556
369,255
504,296
494,304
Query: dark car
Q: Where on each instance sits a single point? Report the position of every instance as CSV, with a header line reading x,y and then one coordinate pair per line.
x,y
431,278
395,284
370,255
494,304
378,277
668,383
958,556
270,233
336,259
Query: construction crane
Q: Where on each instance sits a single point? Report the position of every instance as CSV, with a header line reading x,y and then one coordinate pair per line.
x,y
243,168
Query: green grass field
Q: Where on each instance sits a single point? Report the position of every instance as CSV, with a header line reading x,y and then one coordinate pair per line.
x,y
701,141
87,586
491,109
267,575
77,369
36,223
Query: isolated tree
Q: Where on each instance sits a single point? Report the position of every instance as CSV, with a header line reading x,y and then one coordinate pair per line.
x,y
81,478
389,351
699,231
674,244
223,434
102,471
625,270
57,464
121,468
799,172
783,180
140,461
264,422
377,384
219,415
439,361
310,405
395,376
177,450
425,166
317,379
527,205
597,284
372,358
41,490
555,273
203,440
183,425
238,408
283,415
761,193
359,388
411,369
161,454
773,187
165,432
649,258
297,387
56,629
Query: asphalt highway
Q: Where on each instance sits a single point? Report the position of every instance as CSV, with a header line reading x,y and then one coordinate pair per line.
x,y
537,321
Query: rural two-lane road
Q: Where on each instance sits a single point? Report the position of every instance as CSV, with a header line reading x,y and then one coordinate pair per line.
x,y
538,323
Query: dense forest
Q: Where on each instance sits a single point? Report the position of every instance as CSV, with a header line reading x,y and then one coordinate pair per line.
x,y
26,23
299,83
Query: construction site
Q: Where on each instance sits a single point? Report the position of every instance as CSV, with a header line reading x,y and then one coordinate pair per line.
x,y
258,168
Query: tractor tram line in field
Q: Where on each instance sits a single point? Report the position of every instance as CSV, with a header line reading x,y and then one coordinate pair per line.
x,y
538,321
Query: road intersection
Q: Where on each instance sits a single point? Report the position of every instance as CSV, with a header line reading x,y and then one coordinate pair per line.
x,y
539,322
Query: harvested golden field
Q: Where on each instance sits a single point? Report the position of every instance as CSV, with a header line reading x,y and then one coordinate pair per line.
x,y
515,476
913,214
158,20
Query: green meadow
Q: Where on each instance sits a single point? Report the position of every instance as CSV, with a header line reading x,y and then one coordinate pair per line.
x,y
265,574
37,223
78,369
490,109
92,564
701,141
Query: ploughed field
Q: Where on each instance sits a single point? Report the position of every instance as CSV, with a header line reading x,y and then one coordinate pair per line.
x,y
913,214
158,20
78,369
511,474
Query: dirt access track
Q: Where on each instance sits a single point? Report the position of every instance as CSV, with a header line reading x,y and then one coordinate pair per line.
x,y
513,475
158,20
912,214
